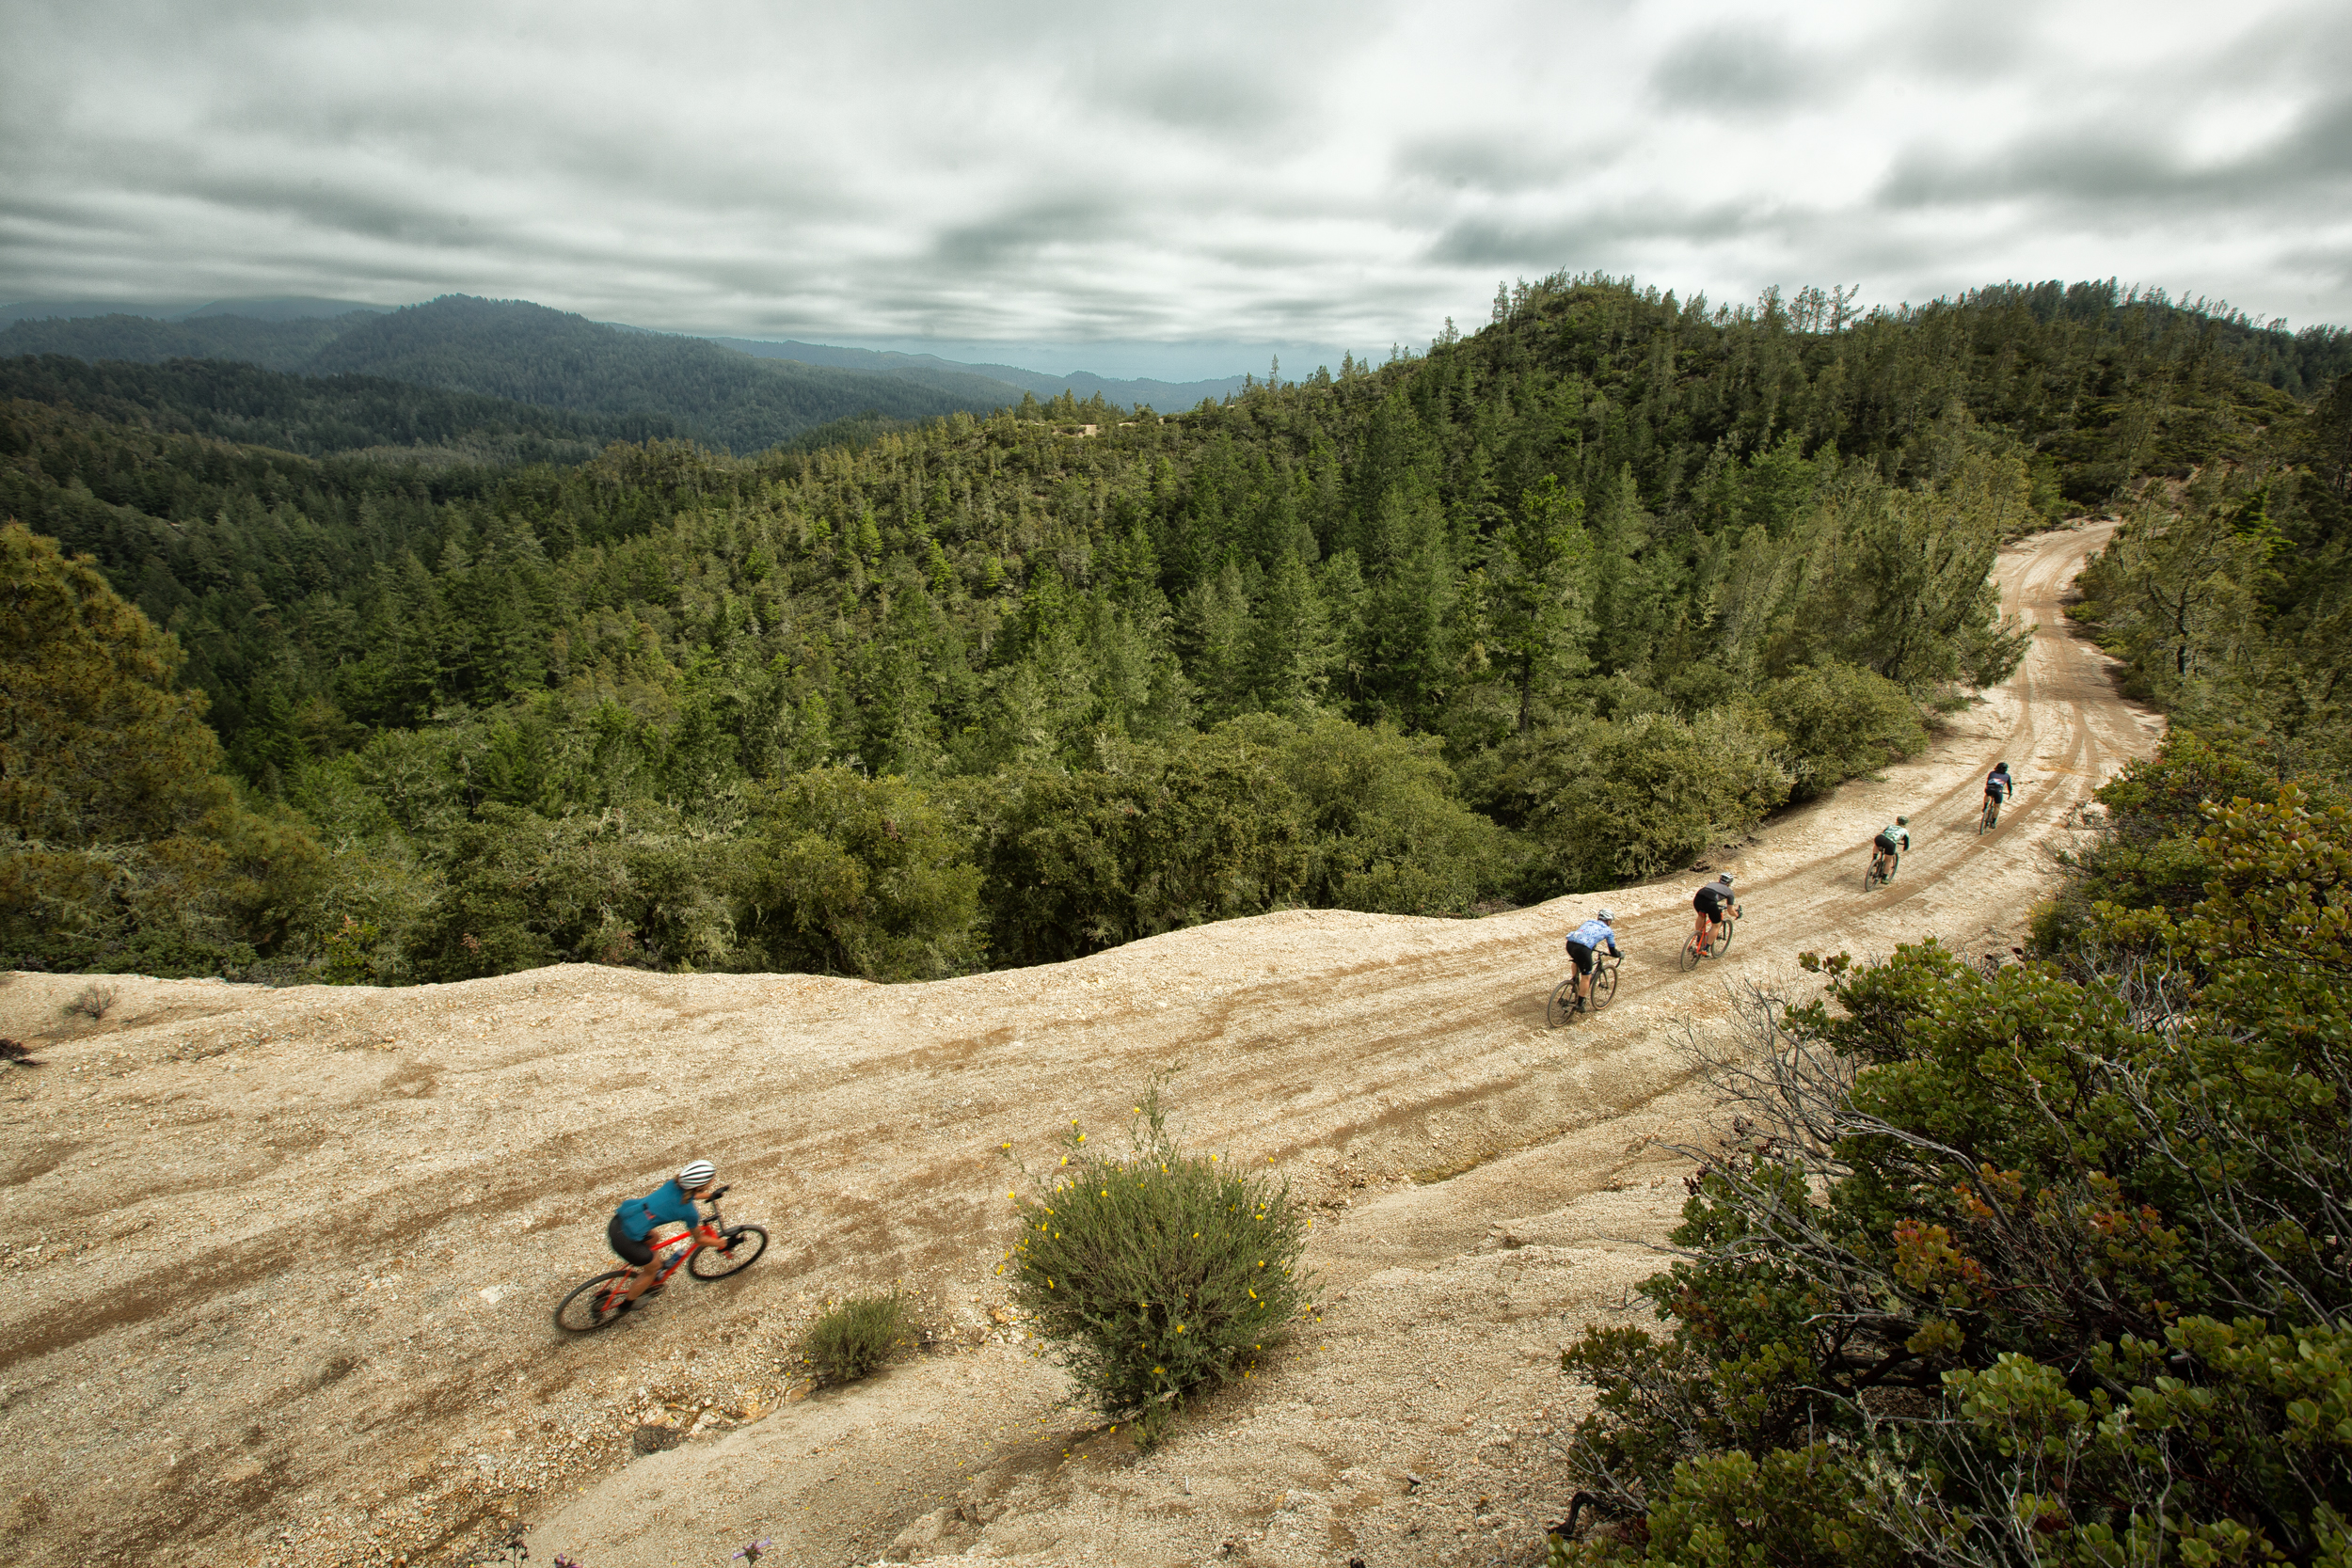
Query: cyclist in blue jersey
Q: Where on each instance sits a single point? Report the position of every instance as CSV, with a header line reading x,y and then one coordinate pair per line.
x,y
630,1231
1582,943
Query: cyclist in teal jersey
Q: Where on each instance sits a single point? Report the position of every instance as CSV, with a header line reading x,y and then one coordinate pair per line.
x,y
631,1227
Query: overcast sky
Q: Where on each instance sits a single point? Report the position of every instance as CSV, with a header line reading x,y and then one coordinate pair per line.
x,y
1171,189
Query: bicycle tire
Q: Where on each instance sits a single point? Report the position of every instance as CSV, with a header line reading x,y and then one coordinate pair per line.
x,y
1691,951
1562,1007
1723,937
1872,878
1604,985
1991,816
589,1315
745,1243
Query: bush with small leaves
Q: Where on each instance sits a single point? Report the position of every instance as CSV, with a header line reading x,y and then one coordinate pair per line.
x,y
2040,1266
856,1336
1152,1274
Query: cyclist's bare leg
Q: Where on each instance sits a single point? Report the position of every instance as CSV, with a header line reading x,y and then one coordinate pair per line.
x,y
1704,933
643,1277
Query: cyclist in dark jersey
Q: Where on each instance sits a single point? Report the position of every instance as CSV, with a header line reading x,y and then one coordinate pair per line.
x,y
1999,785
1713,902
630,1231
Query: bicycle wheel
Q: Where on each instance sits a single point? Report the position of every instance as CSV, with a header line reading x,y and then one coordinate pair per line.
x,y
745,1243
594,1304
1872,878
1991,814
1562,1007
1723,937
1691,951
1604,985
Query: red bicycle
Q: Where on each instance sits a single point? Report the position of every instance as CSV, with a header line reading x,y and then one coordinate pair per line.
x,y
596,1303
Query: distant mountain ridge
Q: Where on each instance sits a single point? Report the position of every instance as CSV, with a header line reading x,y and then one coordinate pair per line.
x,y
523,353
1163,396
741,393
279,309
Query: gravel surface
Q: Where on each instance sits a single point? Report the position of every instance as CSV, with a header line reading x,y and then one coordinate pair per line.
x,y
279,1263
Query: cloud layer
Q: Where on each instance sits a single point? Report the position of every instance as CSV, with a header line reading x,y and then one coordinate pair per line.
x,y
1303,174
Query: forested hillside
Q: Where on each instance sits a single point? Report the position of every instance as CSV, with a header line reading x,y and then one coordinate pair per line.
x,y
522,353
318,416
1555,605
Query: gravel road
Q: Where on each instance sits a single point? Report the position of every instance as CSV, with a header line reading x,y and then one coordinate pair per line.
x,y
279,1263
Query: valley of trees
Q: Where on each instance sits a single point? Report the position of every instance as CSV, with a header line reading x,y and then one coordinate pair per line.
x,y
1549,607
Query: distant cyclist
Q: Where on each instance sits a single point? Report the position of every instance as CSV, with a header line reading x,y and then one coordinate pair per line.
x,y
633,1223
1891,842
1713,903
1582,943
1999,785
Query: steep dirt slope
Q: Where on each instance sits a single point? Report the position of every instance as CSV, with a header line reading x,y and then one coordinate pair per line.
x,y
279,1263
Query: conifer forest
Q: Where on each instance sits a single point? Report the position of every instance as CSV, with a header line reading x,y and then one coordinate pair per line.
x,y
428,685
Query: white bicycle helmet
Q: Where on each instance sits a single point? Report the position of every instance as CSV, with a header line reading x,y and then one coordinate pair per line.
x,y
1724,879
698,1173
1607,917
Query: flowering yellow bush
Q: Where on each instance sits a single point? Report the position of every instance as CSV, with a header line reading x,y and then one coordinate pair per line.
x,y
1154,1273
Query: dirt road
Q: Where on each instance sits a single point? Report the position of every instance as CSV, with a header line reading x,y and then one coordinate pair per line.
x,y
279,1262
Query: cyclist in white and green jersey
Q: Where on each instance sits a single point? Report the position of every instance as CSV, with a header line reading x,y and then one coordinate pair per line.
x,y
1891,842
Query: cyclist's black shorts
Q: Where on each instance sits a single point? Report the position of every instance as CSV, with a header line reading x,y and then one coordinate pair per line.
x,y
1711,903
627,1247
1885,844
1582,957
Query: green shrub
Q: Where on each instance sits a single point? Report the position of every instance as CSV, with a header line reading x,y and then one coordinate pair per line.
x,y
1383,831
2036,1268
641,887
1606,802
1154,1274
1841,722
848,875
856,1336
1155,840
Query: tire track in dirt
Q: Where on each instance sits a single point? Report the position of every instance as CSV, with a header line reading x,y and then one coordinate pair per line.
x,y
316,1302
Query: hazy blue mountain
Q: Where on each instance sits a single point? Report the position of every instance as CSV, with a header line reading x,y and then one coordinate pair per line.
x,y
522,353
529,354
743,394
1164,395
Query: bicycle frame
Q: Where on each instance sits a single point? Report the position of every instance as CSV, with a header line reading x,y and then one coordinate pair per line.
x,y
678,1260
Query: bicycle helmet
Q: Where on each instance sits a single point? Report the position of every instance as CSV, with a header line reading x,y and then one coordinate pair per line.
x,y
1902,822
700,1172
1607,917
1724,879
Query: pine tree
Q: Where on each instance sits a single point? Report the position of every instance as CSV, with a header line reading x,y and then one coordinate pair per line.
x,y
1535,605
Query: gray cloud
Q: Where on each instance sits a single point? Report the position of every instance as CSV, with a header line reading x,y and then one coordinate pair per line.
x,y
1734,70
1314,176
